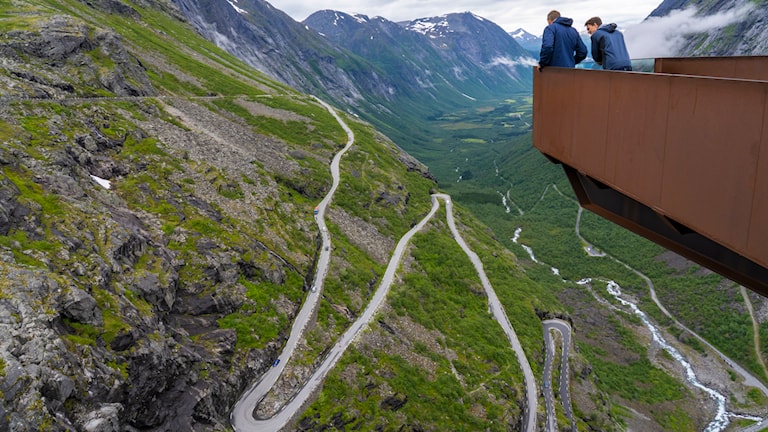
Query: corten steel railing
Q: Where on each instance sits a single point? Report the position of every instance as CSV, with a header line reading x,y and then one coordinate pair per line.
x,y
750,67
679,159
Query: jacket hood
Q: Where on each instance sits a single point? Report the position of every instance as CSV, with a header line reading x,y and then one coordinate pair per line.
x,y
565,21
610,28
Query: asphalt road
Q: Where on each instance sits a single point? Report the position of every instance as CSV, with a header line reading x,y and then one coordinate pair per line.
x,y
501,317
242,414
242,418
564,329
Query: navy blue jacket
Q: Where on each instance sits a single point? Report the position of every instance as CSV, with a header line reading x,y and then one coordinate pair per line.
x,y
609,49
561,45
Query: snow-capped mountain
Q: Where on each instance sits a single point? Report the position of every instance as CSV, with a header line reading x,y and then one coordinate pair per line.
x,y
458,52
528,41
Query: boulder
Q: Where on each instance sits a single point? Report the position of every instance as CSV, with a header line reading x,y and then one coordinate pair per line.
x,y
81,307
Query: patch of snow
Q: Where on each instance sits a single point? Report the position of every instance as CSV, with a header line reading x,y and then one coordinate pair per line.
x,y
362,19
102,182
233,3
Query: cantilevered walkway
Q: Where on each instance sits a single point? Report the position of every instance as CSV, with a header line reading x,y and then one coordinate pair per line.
x,y
679,155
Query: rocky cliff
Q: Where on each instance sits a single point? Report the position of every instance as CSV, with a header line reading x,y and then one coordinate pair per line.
x,y
141,204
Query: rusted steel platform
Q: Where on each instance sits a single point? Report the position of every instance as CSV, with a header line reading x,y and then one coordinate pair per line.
x,y
679,156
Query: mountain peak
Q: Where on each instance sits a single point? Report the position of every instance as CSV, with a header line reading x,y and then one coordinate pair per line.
x,y
522,35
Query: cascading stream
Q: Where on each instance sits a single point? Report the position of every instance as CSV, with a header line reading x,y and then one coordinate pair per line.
x,y
722,416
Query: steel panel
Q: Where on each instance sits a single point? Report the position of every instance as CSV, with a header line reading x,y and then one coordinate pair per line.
x,y
589,137
745,67
711,155
757,243
636,130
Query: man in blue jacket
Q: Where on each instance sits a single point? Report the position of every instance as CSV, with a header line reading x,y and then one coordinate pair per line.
x,y
608,47
561,44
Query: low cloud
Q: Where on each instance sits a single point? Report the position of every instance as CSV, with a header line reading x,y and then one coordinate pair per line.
x,y
519,61
665,36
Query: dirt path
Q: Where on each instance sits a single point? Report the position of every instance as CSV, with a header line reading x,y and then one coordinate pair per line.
x,y
755,330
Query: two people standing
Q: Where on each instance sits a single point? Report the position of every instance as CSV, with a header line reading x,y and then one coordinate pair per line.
x,y
562,45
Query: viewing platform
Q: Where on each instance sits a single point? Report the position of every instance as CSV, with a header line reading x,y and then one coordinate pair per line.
x,y
678,155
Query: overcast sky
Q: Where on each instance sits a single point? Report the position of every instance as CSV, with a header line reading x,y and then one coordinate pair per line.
x,y
508,14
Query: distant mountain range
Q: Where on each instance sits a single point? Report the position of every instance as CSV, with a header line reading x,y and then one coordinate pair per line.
x,y
461,52
379,69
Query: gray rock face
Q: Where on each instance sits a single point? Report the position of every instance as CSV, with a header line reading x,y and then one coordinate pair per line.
x,y
104,419
96,323
63,41
85,340
11,212
81,307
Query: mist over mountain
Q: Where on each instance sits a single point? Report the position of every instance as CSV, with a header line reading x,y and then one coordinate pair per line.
x,y
702,28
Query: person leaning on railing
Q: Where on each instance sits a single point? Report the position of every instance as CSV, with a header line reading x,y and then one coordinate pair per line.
x,y
561,44
608,47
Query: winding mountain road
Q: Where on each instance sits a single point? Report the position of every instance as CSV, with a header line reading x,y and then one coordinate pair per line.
x,y
242,414
242,417
501,317
562,327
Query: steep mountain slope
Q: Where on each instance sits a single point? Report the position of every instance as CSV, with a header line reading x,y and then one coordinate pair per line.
x,y
389,76
735,27
285,49
410,65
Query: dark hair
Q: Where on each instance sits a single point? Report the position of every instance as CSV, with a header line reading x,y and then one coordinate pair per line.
x,y
594,20
553,15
